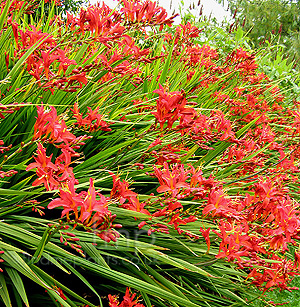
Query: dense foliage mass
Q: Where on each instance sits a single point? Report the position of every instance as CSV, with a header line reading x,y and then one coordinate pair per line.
x,y
269,20
136,158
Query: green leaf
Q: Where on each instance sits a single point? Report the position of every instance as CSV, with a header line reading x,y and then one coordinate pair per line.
x,y
92,251
16,192
7,246
50,279
15,261
4,292
239,34
171,286
18,283
146,299
72,269
176,262
3,15
190,153
55,262
39,251
166,68
98,159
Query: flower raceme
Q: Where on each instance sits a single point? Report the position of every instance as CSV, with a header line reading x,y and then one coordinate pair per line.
x,y
100,21
52,175
127,198
68,199
171,181
89,212
50,63
174,181
170,154
92,122
146,12
45,169
170,106
50,127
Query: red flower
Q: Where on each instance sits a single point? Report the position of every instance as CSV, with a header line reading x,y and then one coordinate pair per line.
x,y
80,78
63,60
128,199
297,260
171,181
219,204
205,234
92,122
55,130
92,205
48,59
169,107
68,199
63,161
45,169
128,300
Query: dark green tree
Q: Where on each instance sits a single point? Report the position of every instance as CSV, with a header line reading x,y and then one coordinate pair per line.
x,y
60,6
273,20
71,5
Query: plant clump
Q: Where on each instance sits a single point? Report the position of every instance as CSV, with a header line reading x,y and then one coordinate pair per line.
x,y
134,152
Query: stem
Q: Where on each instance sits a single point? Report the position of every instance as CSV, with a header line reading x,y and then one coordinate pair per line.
x,y
14,153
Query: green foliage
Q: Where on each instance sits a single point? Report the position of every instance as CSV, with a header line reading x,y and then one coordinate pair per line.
x,y
71,5
274,21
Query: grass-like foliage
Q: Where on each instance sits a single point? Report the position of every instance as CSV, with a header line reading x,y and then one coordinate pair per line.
x,y
138,161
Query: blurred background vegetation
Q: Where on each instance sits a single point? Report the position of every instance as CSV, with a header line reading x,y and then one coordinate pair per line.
x,y
276,21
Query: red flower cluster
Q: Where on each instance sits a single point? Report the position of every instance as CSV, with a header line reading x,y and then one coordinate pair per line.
x,y
88,211
50,63
146,12
170,106
127,198
48,54
50,127
129,300
92,122
251,227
